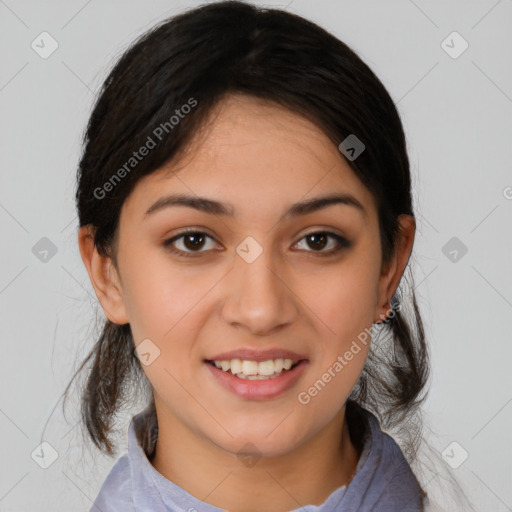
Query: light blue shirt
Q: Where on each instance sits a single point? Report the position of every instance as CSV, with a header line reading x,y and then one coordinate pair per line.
x,y
383,481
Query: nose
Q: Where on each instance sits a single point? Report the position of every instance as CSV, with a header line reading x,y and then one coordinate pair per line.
x,y
259,295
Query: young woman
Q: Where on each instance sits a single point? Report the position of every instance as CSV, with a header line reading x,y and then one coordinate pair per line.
x,y
245,213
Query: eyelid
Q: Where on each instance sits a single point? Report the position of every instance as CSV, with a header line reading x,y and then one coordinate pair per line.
x,y
341,240
168,242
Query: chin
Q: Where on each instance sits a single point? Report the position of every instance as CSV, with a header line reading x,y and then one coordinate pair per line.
x,y
262,440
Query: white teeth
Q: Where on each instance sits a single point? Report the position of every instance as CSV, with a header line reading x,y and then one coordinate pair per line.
x,y
257,377
254,370
266,367
236,366
249,367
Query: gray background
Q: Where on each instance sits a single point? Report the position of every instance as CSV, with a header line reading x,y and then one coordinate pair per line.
x,y
457,116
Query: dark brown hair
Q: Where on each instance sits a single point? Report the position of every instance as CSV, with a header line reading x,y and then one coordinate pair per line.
x,y
204,55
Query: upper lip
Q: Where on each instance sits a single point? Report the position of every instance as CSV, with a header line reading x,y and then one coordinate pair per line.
x,y
251,354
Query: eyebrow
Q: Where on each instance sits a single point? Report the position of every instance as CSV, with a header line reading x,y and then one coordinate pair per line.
x,y
213,207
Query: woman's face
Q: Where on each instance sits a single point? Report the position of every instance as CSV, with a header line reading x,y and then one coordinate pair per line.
x,y
262,271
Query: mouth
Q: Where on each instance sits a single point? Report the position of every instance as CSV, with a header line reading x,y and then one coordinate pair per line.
x,y
256,380
254,370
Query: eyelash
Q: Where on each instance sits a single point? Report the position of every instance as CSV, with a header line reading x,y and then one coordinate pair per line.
x,y
343,243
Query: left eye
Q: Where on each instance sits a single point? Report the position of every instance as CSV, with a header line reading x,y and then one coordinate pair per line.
x,y
190,242
319,240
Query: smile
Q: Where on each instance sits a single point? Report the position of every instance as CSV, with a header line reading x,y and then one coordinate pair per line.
x,y
254,370
253,380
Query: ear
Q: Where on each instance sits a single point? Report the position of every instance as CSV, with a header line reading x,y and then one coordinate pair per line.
x,y
391,275
104,277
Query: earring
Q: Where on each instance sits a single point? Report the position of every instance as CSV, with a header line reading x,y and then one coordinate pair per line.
x,y
392,306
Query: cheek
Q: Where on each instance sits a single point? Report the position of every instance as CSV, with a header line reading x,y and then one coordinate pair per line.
x,y
167,305
161,297
345,302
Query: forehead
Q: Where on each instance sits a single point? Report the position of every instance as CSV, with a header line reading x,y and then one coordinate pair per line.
x,y
255,153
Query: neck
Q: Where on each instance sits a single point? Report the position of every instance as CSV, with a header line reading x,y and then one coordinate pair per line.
x,y
308,475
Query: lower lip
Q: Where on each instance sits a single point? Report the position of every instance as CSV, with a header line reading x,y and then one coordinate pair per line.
x,y
258,389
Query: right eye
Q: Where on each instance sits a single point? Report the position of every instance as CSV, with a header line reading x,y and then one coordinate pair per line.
x,y
189,242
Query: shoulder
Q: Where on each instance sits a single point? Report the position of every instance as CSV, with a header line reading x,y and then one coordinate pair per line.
x,y
127,480
116,493
384,480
